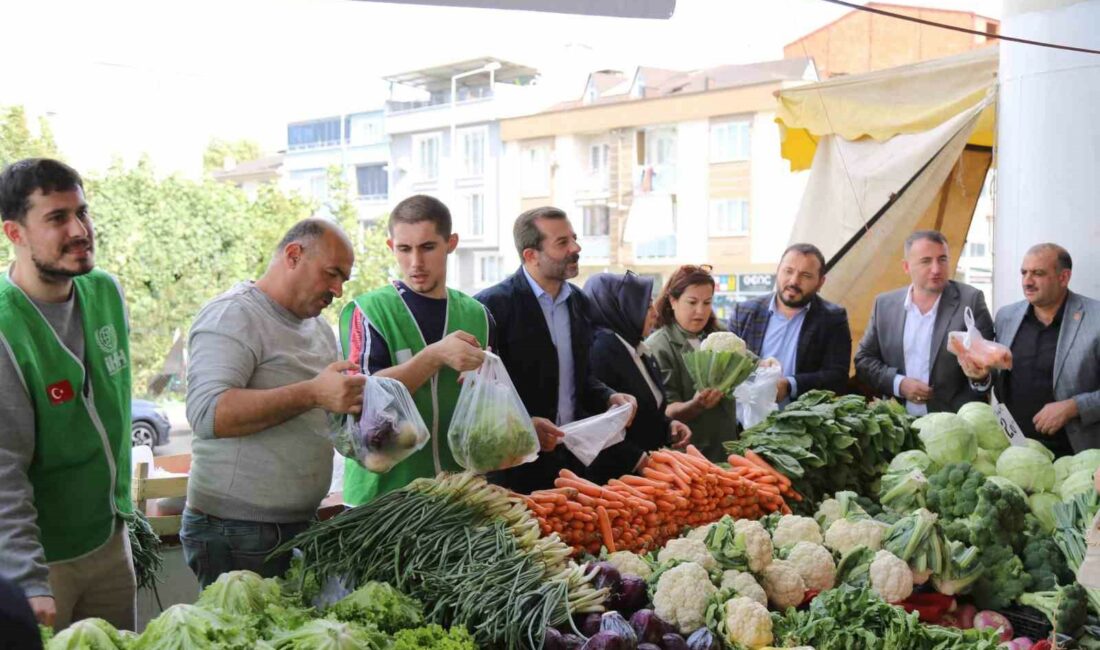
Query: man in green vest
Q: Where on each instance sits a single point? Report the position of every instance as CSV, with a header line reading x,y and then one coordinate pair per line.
x,y
64,406
419,332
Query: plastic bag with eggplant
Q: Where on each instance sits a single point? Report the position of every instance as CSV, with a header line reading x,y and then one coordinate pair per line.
x,y
388,431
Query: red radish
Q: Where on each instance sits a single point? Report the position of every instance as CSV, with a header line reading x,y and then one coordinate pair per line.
x,y
990,620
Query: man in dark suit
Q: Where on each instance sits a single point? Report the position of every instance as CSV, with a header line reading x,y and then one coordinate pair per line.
x,y
543,336
904,349
807,334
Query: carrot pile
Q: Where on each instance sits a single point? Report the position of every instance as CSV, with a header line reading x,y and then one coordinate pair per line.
x,y
675,490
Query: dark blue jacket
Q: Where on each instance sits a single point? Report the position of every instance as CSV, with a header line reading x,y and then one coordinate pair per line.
x,y
524,344
824,356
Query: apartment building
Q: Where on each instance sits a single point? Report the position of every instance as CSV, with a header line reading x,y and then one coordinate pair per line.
x,y
660,168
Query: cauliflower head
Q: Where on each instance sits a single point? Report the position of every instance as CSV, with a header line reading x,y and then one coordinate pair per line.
x,y
815,564
828,512
891,577
845,535
687,550
682,595
700,532
746,622
757,541
630,564
793,529
723,342
784,585
745,585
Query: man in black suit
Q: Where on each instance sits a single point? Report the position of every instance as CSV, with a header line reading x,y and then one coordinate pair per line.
x,y
807,334
543,336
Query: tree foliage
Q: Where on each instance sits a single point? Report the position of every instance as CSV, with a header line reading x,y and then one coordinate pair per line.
x,y
218,150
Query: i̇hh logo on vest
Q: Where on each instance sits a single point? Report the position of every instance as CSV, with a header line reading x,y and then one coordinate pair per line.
x,y
107,339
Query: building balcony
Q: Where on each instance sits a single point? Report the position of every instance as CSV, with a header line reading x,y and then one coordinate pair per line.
x,y
660,248
654,178
595,248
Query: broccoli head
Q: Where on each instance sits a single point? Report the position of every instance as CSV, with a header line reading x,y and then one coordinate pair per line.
x,y
1003,579
1043,560
953,491
1000,518
1067,607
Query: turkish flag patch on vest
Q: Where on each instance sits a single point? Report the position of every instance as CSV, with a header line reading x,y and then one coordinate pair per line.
x,y
60,392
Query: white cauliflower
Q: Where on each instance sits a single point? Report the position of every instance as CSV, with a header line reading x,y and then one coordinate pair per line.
x,y
745,585
815,564
891,577
630,564
845,534
687,550
746,622
828,512
700,532
723,342
682,595
757,541
784,585
793,529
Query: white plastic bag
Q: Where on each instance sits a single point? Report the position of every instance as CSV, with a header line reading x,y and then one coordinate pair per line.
x,y
756,396
490,428
387,432
974,348
588,437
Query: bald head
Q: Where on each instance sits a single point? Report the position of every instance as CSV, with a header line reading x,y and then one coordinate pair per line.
x,y
309,268
308,231
1061,256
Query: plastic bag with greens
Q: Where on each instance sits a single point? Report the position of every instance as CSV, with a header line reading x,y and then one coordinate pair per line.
x,y
721,362
388,431
490,428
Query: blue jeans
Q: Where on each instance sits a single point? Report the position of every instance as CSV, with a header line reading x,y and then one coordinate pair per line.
x,y
213,546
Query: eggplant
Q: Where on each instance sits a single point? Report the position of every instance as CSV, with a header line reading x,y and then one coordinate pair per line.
x,y
607,641
703,639
673,641
614,623
648,626
608,576
633,594
552,640
590,624
572,642
648,646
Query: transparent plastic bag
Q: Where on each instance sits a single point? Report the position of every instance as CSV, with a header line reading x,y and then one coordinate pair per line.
x,y
970,346
490,428
756,396
588,437
388,431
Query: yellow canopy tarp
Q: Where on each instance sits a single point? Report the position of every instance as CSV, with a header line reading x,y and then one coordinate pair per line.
x,y
886,103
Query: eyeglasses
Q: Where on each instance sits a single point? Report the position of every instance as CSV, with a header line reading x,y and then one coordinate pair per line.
x,y
692,268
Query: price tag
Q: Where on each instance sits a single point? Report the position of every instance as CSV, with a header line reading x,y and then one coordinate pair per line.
x,y
1008,423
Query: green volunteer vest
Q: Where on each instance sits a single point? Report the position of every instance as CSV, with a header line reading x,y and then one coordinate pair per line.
x,y
435,400
80,471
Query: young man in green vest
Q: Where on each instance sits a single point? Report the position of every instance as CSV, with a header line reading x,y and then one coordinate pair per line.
x,y
419,332
64,406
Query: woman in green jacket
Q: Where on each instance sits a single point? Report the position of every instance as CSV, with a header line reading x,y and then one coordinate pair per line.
x,y
686,317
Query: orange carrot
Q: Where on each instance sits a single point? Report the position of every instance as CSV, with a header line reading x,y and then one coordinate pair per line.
x,y
605,528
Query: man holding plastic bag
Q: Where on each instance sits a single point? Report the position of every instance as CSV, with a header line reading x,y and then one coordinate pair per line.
x,y
808,336
1045,364
422,334
544,340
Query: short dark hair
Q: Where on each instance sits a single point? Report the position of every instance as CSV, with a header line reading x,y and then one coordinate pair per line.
x,y
526,234
686,276
304,232
21,179
1063,261
422,207
930,235
807,249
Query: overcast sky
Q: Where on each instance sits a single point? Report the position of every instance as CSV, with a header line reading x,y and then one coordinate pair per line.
x,y
123,77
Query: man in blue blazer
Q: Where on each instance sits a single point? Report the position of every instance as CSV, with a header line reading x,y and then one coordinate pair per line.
x,y
807,334
1053,389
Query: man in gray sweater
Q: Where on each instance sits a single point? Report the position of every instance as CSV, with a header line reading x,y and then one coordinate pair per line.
x,y
263,371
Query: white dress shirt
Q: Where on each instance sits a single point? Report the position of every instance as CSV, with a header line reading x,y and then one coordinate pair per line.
x,y
918,348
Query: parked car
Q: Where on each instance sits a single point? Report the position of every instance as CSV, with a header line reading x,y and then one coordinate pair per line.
x,y
149,424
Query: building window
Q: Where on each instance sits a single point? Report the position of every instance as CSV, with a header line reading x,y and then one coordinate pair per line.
x,y
472,146
598,156
372,181
474,205
362,129
597,221
313,134
488,269
535,172
730,141
729,217
976,249
426,154
660,147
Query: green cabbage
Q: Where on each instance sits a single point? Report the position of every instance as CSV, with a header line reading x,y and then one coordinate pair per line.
x,y
1006,484
1088,459
1031,443
90,634
1026,467
379,604
947,438
1063,467
1042,506
986,426
1079,482
912,459
240,592
986,462
190,627
324,634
